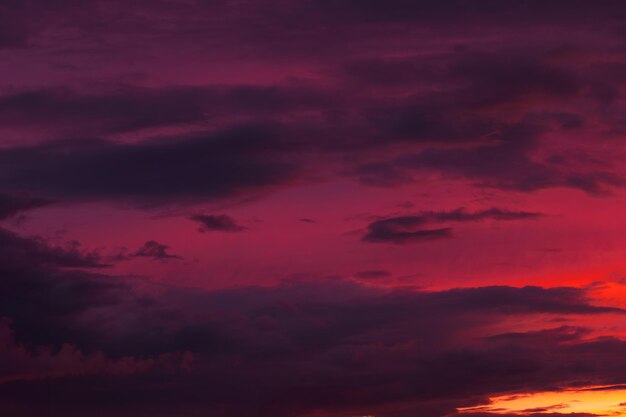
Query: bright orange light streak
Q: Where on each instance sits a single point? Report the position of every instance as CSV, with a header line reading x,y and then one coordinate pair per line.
x,y
600,400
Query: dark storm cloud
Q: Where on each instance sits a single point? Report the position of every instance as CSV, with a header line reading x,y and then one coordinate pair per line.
x,y
152,172
334,346
216,223
51,303
40,294
128,108
155,250
407,229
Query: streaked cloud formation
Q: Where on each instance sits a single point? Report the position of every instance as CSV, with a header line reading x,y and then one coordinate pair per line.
x,y
407,229
312,209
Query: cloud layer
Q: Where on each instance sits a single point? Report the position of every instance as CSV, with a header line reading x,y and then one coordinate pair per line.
x,y
129,124
206,350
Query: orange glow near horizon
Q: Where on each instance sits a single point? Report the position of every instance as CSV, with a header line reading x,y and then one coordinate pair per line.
x,y
599,400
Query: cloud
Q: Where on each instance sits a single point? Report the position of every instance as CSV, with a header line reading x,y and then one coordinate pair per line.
x,y
483,115
462,215
155,250
319,28
349,340
14,28
508,164
393,232
161,171
512,96
407,229
126,110
431,13
129,108
477,113
437,349
488,120
217,223
42,291
21,251
19,363
13,204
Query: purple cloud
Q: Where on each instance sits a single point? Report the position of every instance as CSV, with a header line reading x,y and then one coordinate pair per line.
x,y
407,229
217,223
155,250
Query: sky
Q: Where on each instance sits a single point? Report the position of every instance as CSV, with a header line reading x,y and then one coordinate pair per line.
x,y
312,208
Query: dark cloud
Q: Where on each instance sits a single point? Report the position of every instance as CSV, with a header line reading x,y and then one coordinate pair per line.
x,y
123,111
484,119
53,297
14,30
497,79
151,172
508,164
406,229
324,27
128,108
462,11
51,304
155,250
462,215
16,203
399,232
351,342
332,346
500,94
42,291
18,251
21,363
487,121
217,223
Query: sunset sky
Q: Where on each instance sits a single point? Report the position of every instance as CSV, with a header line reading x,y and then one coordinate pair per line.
x,y
312,208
